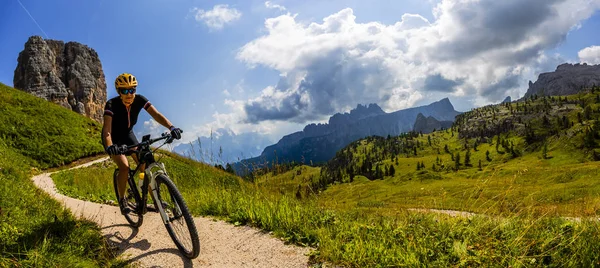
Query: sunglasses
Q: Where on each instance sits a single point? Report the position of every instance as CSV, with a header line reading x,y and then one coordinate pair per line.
x,y
126,91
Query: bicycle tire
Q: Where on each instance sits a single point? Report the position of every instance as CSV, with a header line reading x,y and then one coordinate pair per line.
x,y
192,250
134,219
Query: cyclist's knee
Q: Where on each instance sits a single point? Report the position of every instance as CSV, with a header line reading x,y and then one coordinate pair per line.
x,y
121,162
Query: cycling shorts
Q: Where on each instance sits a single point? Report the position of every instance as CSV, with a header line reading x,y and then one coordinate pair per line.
x,y
127,139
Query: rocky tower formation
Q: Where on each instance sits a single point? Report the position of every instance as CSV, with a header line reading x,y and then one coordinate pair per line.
x,y
567,79
67,74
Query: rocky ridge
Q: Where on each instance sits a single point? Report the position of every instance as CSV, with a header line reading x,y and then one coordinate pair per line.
x,y
429,124
68,74
566,80
320,142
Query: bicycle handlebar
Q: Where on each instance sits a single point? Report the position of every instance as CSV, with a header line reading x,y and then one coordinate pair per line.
x,y
166,135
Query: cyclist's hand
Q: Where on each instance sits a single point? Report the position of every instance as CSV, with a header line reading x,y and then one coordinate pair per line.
x,y
122,149
112,150
176,133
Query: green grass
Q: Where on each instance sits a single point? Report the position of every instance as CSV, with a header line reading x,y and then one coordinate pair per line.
x,y
561,185
366,223
365,236
35,231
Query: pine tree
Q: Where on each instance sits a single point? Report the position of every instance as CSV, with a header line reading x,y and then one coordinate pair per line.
x,y
480,165
497,142
487,156
468,158
587,112
545,151
457,161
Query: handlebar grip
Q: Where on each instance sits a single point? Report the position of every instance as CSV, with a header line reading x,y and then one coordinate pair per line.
x,y
122,149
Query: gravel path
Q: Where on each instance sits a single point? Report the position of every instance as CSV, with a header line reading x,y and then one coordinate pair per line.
x,y
221,244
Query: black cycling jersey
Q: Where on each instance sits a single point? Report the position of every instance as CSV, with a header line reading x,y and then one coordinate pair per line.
x,y
124,119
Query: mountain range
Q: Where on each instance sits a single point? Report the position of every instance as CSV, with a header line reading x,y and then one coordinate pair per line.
x,y
319,142
224,146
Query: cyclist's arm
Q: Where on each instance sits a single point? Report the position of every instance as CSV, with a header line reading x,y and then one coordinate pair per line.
x,y
106,130
161,119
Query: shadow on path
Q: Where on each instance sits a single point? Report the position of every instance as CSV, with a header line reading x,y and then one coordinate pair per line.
x,y
120,244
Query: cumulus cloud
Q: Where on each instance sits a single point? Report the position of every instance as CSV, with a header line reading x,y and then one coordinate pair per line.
x,y
438,83
590,55
487,48
270,5
217,17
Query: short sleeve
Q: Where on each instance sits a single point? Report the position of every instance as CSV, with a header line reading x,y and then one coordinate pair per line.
x,y
108,108
145,103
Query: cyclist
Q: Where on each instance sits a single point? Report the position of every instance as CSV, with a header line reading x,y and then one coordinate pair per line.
x,y
120,115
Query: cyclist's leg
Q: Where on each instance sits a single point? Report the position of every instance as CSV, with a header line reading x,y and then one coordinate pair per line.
x,y
142,168
123,165
131,139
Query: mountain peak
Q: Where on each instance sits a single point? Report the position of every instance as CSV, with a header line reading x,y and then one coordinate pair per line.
x,y
360,112
368,110
443,105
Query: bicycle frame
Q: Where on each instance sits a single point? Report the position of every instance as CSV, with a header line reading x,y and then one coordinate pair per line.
x,y
170,208
151,172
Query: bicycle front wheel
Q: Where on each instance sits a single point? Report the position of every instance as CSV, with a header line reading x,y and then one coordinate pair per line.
x,y
134,219
180,224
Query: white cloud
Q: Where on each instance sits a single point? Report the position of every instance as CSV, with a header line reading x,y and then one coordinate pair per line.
x,y
155,130
226,93
270,5
217,17
483,49
234,122
590,55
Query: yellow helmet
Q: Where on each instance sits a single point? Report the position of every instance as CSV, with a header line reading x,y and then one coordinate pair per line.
x,y
125,80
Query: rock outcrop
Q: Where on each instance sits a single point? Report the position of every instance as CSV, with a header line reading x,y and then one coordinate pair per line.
x,y
67,74
567,79
429,124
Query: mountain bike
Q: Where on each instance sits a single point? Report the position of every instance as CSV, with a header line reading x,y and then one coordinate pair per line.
x,y
173,209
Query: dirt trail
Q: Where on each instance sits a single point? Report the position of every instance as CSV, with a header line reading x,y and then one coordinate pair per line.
x,y
221,244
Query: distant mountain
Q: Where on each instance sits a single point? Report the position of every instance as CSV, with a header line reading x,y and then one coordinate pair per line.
x,y
429,124
567,79
227,147
507,99
320,142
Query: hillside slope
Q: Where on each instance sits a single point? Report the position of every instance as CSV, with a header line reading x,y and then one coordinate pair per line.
x,y
535,154
35,231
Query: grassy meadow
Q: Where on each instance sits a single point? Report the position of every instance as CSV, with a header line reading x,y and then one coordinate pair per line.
x,y
365,234
35,231
353,221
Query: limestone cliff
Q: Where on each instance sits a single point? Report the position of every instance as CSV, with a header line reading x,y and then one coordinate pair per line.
x,y
67,74
567,79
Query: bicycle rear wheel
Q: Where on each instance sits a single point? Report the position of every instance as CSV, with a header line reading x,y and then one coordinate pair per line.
x,y
134,219
180,224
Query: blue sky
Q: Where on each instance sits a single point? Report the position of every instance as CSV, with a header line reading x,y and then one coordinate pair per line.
x,y
271,68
